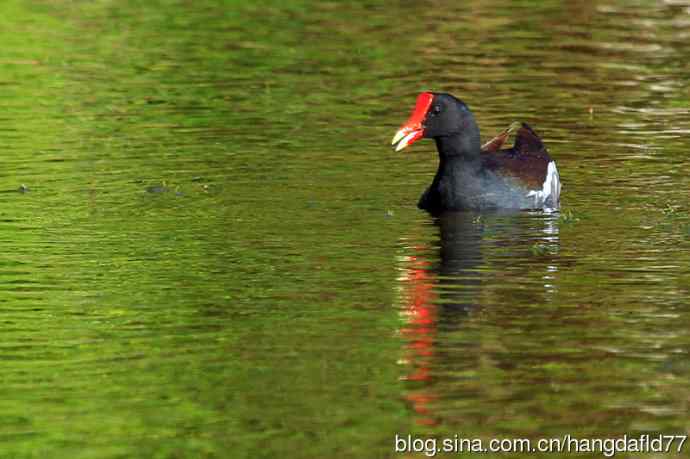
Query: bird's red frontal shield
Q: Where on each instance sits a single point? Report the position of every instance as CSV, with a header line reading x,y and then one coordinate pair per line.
x,y
413,129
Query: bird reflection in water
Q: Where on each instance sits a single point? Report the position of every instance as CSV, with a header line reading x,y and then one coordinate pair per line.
x,y
441,285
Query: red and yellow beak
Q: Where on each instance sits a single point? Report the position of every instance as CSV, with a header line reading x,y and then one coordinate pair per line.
x,y
413,129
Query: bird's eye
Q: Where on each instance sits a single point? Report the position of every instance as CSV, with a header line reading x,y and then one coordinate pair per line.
x,y
436,109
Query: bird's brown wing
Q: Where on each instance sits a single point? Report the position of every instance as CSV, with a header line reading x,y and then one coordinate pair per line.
x,y
497,142
527,161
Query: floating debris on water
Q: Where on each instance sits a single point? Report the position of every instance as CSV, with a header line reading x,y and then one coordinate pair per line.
x,y
157,189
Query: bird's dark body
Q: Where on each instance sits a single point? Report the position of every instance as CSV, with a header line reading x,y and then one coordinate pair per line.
x,y
473,190
496,179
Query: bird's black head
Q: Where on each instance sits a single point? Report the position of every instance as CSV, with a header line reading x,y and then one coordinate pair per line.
x,y
437,115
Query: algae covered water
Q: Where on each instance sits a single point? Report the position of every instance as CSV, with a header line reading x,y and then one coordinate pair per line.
x,y
210,250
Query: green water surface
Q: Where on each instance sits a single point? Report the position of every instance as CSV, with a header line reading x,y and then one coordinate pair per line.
x,y
209,249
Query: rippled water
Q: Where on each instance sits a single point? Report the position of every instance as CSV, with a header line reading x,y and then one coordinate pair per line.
x,y
211,251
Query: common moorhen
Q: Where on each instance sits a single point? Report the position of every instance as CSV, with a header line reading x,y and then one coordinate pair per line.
x,y
472,176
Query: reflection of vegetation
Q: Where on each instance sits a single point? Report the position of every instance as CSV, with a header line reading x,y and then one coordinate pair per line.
x,y
244,302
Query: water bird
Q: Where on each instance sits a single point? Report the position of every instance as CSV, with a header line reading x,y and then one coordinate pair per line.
x,y
472,176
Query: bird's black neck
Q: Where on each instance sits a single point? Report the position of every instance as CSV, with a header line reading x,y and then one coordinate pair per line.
x,y
457,180
465,143
459,151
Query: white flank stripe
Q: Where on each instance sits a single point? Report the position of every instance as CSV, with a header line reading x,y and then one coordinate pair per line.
x,y
550,194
